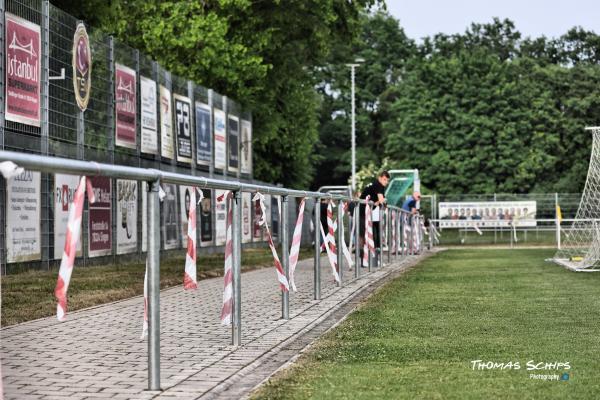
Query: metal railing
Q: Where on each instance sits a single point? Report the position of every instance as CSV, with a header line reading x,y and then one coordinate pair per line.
x,y
405,245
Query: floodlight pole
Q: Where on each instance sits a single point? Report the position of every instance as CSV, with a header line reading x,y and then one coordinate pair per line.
x,y
353,119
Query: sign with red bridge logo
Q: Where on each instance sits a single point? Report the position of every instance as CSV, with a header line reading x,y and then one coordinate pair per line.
x,y
23,54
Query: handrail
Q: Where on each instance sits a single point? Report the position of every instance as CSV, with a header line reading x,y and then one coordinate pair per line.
x,y
91,168
413,239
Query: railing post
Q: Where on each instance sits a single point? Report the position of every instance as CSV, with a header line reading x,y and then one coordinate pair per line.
x,y
357,248
411,240
370,258
153,287
397,234
340,237
284,234
388,238
380,250
317,263
557,222
236,325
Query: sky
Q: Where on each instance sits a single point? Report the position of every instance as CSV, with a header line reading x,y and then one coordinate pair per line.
x,y
532,18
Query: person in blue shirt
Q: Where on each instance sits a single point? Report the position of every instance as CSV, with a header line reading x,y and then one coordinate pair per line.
x,y
410,204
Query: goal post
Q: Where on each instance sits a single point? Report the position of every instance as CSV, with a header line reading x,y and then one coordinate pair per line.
x,y
580,245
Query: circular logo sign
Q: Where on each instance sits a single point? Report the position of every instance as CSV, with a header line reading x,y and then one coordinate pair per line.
x,y
82,67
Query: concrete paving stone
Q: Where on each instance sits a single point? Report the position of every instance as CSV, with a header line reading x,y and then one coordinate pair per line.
x,y
89,359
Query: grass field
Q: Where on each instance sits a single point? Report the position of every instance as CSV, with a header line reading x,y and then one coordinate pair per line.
x,y
417,338
30,295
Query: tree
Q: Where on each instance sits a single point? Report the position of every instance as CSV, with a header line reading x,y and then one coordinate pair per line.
x,y
260,53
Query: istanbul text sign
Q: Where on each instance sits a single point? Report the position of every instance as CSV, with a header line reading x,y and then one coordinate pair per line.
x,y
23,47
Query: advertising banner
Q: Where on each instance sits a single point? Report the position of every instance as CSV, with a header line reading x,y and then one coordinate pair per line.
x,y
233,141
149,139
220,139
23,70
64,191
487,214
246,217
100,218
125,106
206,219
183,127
169,206
82,67
166,123
203,136
127,211
246,148
184,209
23,204
221,216
144,216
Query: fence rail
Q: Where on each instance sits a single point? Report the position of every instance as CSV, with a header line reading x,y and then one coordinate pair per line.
x,y
409,235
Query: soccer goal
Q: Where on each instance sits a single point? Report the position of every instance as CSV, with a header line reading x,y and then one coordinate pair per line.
x,y
580,247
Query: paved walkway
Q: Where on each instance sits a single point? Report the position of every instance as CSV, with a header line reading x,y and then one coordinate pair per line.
x,y
97,352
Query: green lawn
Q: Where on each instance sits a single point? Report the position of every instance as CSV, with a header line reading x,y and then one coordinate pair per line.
x,y
416,338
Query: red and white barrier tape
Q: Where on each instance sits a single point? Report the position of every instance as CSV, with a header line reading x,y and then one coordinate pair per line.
x,y
330,255
345,249
189,276
227,307
9,169
71,240
296,239
369,246
283,282
331,236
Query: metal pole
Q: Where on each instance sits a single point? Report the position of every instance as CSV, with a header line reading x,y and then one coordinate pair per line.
x,y
46,191
388,239
236,326
357,259
153,287
379,251
285,257
340,237
397,227
557,220
353,129
370,255
2,83
317,264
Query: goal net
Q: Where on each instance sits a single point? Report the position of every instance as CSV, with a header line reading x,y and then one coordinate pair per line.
x,y
580,248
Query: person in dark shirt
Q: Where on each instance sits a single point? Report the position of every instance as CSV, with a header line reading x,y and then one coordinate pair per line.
x,y
376,193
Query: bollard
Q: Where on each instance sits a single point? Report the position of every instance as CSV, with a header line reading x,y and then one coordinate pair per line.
x,y
153,287
357,248
236,320
340,237
317,265
285,257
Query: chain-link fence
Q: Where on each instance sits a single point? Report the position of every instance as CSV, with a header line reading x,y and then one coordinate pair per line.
x,y
65,130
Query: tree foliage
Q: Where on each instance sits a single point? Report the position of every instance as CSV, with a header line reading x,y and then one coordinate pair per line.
x,y
486,111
